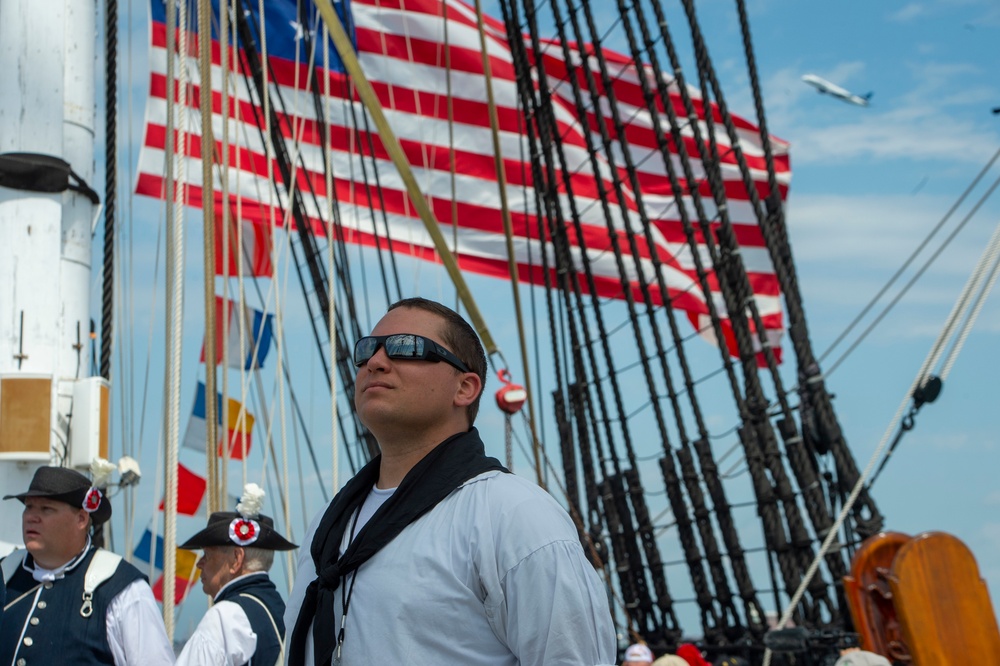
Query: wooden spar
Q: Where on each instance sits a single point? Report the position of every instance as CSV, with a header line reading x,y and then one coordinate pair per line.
x,y
508,232
208,213
368,97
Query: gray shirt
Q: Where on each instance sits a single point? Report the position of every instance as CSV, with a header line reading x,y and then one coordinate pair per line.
x,y
494,575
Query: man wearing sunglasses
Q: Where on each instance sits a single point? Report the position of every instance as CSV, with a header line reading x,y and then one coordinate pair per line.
x,y
434,553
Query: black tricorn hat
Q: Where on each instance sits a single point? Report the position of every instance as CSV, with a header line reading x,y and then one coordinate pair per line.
x,y
67,485
228,528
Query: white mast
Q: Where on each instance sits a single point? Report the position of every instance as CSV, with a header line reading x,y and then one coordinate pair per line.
x,y
51,410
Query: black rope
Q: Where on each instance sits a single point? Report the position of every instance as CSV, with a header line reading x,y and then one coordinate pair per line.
x,y
541,111
631,577
638,607
634,489
729,268
674,490
110,180
684,456
752,608
546,198
814,394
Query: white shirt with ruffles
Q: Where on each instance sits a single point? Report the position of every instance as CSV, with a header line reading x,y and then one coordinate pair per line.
x,y
135,631
224,635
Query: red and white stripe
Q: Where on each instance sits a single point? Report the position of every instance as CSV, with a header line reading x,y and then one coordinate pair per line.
x,y
255,258
401,48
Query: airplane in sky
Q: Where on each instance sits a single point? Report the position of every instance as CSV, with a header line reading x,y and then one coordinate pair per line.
x,y
825,87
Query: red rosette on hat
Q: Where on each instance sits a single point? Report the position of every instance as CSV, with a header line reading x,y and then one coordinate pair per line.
x,y
92,500
244,531
246,526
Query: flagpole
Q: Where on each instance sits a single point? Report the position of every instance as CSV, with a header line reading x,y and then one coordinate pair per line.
x,y
368,97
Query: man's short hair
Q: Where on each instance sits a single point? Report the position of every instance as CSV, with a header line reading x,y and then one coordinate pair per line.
x,y
459,336
257,559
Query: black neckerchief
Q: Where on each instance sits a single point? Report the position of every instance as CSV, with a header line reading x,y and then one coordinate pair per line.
x,y
449,465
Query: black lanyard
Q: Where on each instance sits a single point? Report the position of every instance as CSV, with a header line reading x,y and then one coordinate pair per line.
x,y
345,597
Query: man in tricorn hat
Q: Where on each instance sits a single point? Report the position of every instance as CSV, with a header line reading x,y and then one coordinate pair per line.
x,y
247,619
69,602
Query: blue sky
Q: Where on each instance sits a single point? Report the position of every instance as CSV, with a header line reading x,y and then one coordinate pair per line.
x,y
868,184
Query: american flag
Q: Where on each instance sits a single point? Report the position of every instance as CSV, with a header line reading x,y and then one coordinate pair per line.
x,y
255,256
402,48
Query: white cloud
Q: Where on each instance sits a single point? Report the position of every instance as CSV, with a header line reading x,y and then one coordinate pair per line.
x,y
848,247
910,133
940,82
908,13
879,229
951,442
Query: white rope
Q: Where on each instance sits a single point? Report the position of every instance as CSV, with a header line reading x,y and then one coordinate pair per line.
x,y
276,291
229,79
127,381
913,280
175,300
990,256
225,237
961,306
242,329
972,287
123,380
279,317
269,155
279,369
331,293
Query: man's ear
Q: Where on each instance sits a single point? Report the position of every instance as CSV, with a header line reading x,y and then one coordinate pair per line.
x,y
239,555
468,390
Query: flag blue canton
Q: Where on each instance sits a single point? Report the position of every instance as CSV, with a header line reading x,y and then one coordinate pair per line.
x,y
286,24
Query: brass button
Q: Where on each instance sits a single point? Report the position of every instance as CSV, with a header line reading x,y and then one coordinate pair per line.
x,y
28,641
22,662
33,621
48,586
42,605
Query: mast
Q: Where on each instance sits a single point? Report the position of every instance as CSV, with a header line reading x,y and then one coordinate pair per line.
x,y
52,410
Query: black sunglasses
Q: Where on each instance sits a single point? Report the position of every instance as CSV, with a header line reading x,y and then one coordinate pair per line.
x,y
407,347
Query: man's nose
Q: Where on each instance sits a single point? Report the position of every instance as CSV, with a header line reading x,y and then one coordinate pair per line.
x,y
380,359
